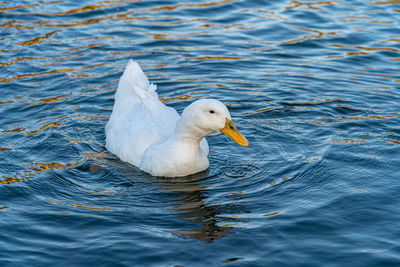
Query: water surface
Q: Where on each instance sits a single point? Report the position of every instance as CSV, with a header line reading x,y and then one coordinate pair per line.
x,y
313,85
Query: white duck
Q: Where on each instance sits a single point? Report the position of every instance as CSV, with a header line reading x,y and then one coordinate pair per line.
x,y
153,137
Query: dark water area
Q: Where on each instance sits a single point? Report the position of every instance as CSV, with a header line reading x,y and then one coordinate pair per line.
x,y
313,85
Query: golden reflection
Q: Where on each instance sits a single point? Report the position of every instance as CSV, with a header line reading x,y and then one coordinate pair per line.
x,y
21,76
85,47
5,9
158,36
70,12
229,104
53,165
126,17
7,51
314,5
44,127
77,205
318,34
5,149
16,130
264,109
10,180
35,169
6,102
391,49
357,53
24,175
59,117
74,23
39,39
78,10
230,87
10,24
119,1
350,54
272,214
311,160
3,207
387,2
378,48
94,155
296,4
313,122
200,5
62,70
17,60
59,98
390,140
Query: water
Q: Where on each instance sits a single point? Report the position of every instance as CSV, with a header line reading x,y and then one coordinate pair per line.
x,y
313,85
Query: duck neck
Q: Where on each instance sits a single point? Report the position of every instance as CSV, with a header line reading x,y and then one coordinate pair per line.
x,y
188,132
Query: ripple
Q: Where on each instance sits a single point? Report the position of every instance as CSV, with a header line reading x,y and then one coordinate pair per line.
x,y
242,171
37,40
78,205
312,84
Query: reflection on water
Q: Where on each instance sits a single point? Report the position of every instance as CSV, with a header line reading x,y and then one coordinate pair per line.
x,y
313,84
190,206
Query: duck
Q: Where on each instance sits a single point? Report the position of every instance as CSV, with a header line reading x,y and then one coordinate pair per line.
x,y
152,136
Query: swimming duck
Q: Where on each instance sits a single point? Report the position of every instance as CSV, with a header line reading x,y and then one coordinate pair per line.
x,y
152,136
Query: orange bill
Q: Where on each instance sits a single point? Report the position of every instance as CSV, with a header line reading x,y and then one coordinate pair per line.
x,y
233,133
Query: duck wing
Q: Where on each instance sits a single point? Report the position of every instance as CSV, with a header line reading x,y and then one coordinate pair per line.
x,y
139,119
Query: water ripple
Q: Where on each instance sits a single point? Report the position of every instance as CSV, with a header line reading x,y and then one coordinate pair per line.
x,y
312,84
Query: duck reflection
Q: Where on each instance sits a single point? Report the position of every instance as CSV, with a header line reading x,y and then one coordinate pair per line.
x,y
190,206
189,203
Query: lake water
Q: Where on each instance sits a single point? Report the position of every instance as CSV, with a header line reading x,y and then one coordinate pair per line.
x,y
313,85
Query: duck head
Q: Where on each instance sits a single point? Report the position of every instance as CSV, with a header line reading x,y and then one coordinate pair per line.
x,y
208,116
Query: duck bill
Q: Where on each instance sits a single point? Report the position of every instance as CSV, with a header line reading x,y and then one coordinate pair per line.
x,y
233,133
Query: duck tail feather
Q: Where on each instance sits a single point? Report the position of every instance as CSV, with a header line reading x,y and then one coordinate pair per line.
x,y
134,79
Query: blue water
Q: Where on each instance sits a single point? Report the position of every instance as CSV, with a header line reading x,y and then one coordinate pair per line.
x,y
313,85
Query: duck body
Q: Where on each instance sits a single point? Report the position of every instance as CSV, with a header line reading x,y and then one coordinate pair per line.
x,y
175,157
152,136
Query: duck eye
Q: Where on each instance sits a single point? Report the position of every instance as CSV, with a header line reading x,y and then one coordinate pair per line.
x,y
212,111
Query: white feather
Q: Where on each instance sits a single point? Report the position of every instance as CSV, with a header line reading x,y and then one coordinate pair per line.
x,y
148,134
